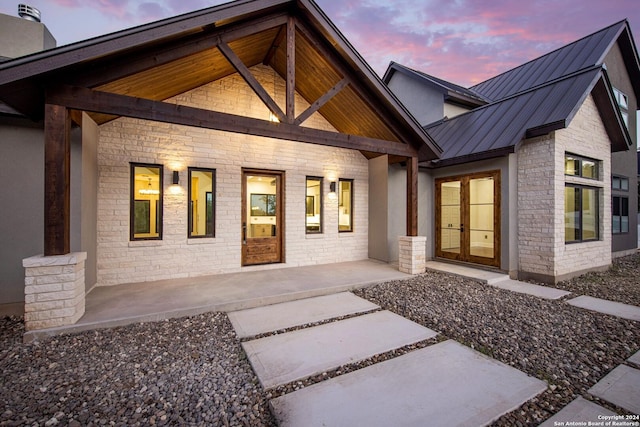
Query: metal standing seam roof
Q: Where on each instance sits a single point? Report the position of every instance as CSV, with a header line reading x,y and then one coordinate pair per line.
x,y
576,56
497,128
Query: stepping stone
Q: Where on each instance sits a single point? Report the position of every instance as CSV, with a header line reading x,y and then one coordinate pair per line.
x,y
580,410
255,321
280,359
618,309
446,384
635,359
620,387
531,289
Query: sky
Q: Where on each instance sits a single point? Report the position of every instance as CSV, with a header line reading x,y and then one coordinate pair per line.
x,y
462,41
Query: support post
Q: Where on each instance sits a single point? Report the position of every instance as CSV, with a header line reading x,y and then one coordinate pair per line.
x,y
291,69
412,196
57,178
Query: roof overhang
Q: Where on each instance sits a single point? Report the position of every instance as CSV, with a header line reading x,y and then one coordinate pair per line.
x,y
163,59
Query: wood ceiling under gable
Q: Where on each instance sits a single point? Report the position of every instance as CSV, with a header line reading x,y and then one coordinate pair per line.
x,y
315,76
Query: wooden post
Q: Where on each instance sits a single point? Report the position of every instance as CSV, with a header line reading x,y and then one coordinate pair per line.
x,y
412,196
57,178
291,69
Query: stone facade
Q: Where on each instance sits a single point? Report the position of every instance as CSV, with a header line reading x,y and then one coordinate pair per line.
x,y
412,254
542,251
54,290
177,147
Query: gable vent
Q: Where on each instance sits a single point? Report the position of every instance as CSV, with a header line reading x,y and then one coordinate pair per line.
x,y
28,12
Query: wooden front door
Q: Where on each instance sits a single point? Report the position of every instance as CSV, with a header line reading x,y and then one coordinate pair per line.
x,y
262,216
468,218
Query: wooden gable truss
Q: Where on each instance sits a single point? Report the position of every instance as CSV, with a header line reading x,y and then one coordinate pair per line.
x,y
135,81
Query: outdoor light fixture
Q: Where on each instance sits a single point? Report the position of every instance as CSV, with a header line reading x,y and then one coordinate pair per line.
x,y
332,190
176,178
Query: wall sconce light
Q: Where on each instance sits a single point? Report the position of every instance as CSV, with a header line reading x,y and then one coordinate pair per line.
x,y
332,190
273,118
176,178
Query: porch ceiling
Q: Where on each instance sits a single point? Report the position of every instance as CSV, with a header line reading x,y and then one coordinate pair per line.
x,y
161,60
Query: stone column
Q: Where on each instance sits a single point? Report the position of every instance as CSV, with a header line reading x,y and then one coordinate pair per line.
x,y
413,254
54,290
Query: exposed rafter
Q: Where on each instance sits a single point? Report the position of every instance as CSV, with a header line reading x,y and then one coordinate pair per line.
x,y
128,106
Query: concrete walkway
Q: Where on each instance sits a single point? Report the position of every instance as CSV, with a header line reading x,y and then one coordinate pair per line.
x,y
109,306
620,387
441,384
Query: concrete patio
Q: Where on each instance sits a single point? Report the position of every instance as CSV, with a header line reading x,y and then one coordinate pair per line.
x,y
109,306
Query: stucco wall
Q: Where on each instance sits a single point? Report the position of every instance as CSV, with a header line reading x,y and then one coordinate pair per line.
x,y
624,163
425,103
178,147
543,253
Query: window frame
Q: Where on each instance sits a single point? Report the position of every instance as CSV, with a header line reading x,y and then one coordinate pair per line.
x,y
320,228
596,192
579,170
132,199
619,229
213,201
620,179
623,104
351,225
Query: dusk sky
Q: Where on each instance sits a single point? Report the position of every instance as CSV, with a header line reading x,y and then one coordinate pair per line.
x,y
463,41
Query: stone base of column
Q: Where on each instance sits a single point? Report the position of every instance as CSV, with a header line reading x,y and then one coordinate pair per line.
x,y
413,254
54,290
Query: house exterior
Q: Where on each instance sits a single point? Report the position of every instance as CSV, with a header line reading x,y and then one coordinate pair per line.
x,y
538,175
251,136
235,138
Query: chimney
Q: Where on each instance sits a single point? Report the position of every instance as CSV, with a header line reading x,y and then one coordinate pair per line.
x,y
24,35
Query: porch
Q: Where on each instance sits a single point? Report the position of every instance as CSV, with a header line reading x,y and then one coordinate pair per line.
x,y
110,306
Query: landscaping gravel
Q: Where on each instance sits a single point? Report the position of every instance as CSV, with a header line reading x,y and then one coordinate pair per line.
x,y
619,283
192,371
188,371
566,346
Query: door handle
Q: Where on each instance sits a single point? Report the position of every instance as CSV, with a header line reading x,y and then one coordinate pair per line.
x,y
244,233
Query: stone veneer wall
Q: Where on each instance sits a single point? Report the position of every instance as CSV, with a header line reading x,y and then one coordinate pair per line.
x,y
542,251
178,147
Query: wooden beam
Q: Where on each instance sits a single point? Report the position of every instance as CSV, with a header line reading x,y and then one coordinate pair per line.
x,y
128,106
57,178
251,80
291,69
412,196
132,38
372,100
321,101
274,46
105,71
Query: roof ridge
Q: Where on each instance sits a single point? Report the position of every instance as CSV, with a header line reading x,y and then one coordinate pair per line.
x,y
623,21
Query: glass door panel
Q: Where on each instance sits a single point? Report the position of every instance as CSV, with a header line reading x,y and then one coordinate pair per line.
x,y
450,218
481,217
468,218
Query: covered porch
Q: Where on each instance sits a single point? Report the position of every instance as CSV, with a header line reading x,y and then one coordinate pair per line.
x,y
110,306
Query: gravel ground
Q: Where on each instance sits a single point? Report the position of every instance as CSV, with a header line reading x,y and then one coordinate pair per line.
x,y
192,371
566,346
620,283
188,371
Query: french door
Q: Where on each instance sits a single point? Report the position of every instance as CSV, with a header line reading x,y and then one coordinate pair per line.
x,y
262,216
468,218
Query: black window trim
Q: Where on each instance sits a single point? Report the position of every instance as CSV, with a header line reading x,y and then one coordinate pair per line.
x,y
321,179
351,216
581,158
213,200
132,189
617,233
580,219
